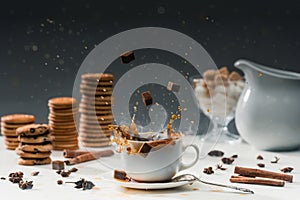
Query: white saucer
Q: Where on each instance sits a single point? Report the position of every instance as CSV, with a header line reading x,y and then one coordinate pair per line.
x,y
144,186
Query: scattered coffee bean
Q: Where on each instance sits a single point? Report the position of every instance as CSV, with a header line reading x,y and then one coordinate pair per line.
x,y
16,177
35,173
58,171
259,157
3,178
234,156
25,185
59,182
262,165
208,170
219,166
287,169
227,161
276,160
216,153
73,169
65,174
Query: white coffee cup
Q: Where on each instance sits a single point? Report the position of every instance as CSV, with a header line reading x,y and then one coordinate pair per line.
x,y
160,164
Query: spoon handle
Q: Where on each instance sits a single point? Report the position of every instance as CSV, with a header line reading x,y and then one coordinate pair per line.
x,y
227,186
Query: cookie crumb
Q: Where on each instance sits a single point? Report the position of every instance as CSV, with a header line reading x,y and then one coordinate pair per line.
x,y
287,169
208,170
259,157
35,173
262,165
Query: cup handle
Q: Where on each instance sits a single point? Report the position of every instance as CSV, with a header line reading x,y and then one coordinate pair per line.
x,y
184,166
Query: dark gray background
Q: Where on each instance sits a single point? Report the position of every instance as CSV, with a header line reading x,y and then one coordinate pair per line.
x,y
44,42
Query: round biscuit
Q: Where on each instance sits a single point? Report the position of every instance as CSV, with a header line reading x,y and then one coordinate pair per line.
x,y
36,140
36,147
95,145
33,129
62,101
25,154
24,161
96,93
18,118
97,76
95,83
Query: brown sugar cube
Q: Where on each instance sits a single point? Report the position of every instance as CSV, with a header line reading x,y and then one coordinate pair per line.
x,y
234,76
127,57
58,165
147,98
173,87
224,71
209,75
221,79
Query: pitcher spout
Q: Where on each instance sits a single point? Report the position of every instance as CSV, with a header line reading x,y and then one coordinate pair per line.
x,y
249,68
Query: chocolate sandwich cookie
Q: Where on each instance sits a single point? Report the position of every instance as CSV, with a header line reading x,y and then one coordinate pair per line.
x,y
31,155
36,139
44,147
33,130
26,161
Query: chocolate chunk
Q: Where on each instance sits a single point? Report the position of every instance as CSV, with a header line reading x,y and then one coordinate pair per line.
x,y
173,87
287,169
3,178
127,57
227,161
262,165
35,173
58,171
59,182
58,165
216,153
147,98
234,156
146,148
120,175
259,157
15,179
219,166
32,130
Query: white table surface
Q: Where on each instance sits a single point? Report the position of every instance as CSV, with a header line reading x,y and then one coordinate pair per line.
x,y
45,186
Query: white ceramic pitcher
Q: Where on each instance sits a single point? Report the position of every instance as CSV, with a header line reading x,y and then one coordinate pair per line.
x,y
268,111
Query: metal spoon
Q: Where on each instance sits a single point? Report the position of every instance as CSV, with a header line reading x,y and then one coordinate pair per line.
x,y
192,178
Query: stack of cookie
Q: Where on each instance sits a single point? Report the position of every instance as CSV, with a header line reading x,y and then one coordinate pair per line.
x,y
63,121
9,124
35,144
95,109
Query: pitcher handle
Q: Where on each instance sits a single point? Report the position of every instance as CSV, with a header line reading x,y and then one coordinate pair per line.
x,y
184,166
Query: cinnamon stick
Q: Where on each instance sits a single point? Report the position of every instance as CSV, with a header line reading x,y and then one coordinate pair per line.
x,y
243,171
89,156
258,181
67,153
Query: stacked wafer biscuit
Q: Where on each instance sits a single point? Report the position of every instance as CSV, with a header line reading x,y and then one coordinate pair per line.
x,y
63,121
9,124
35,144
95,109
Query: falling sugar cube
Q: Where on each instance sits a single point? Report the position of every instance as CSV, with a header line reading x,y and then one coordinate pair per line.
x,y
127,57
173,87
147,98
